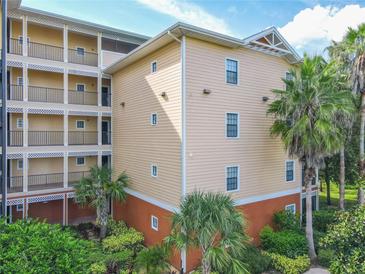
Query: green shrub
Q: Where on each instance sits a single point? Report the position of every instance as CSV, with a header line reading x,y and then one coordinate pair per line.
x,y
129,239
98,268
346,238
322,219
153,260
287,265
288,243
116,227
37,247
286,220
317,237
256,261
325,256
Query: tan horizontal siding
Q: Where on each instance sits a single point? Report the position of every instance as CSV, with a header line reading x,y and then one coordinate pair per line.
x,y
136,143
260,157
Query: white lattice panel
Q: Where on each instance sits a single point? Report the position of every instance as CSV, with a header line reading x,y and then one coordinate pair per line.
x,y
14,110
14,156
45,155
47,198
14,64
82,72
83,113
82,153
14,14
45,21
46,111
71,195
45,68
82,30
15,202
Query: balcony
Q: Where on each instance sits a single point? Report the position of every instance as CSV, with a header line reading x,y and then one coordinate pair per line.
x,y
82,97
75,177
106,137
15,184
45,181
15,92
45,51
82,137
44,94
15,46
82,57
15,138
45,138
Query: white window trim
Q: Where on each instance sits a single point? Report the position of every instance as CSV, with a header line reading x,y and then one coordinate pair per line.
x,y
238,178
152,124
18,208
77,52
17,164
80,164
238,125
18,80
17,122
290,205
154,176
83,84
152,226
80,121
238,71
153,72
293,171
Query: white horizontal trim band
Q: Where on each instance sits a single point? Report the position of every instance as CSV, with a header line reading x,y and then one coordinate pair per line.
x,y
260,198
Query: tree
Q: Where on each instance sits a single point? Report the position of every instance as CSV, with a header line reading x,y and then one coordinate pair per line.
x,y
303,119
351,53
153,260
210,222
97,189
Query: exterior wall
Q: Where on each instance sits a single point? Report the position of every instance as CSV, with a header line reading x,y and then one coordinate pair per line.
x,y
14,73
39,122
12,121
44,35
109,57
90,123
51,211
261,158
76,40
90,161
16,29
137,213
90,82
78,214
45,166
47,79
136,143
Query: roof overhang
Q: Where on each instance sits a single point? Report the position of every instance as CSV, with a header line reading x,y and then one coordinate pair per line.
x,y
179,29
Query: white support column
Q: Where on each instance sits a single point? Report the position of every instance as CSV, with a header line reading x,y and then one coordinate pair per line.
x,y
65,43
64,201
99,85
65,170
25,172
25,82
65,86
25,127
99,49
25,35
99,128
25,208
24,205
99,162
65,128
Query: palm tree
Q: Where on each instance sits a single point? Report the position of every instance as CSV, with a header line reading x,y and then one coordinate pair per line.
x,y
97,189
351,53
303,118
153,260
210,222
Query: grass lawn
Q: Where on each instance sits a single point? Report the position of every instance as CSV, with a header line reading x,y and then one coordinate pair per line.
x,y
350,196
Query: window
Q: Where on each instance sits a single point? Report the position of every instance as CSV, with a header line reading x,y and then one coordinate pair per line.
x,y
154,223
154,171
153,66
80,87
291,208
232,178
80,161
231,71
80,51
19,207
19,164
154,119
80,124
289,171
288,76
19,81
232,121
19,123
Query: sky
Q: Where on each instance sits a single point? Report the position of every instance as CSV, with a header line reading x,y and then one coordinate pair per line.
x,y
308,25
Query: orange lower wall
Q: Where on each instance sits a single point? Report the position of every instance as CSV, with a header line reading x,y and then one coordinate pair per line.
x,y
51,211
137,213
78,214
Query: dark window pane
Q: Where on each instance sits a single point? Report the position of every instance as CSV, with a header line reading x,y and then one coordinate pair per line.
x,y
231,71
232,125
232,178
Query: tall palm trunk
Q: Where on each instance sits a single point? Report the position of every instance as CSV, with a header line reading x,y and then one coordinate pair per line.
x,y
309,176
103,219
206,269
342,179
362,152
328,183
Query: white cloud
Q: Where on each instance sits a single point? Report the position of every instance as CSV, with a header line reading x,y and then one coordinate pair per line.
x,y
319,25
189,13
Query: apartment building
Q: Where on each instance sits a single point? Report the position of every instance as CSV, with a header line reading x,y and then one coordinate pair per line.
x,y
189,113
58,109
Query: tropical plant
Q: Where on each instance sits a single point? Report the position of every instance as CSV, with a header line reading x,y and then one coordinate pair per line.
x,y
350,52
303,118
210,222
153,260
346,238
97,189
